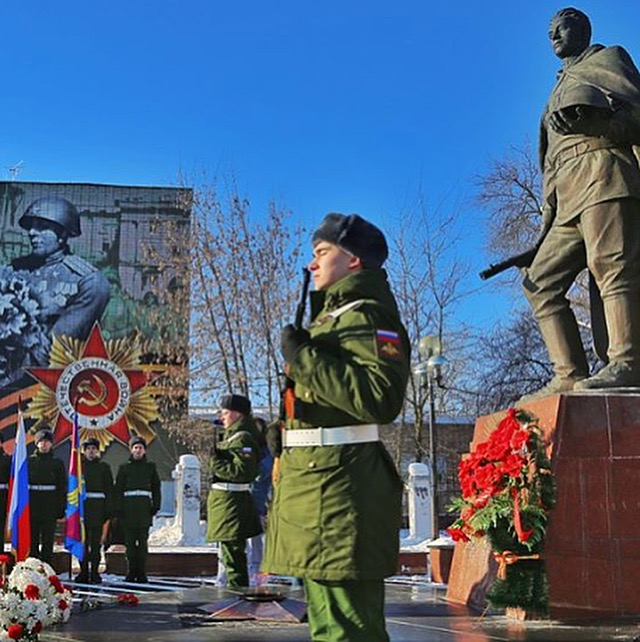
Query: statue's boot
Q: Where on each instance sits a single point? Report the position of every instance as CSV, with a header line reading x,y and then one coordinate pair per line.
x,y
566,352
622,315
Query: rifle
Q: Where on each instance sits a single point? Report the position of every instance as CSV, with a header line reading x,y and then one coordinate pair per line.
x,y
521,260
288,398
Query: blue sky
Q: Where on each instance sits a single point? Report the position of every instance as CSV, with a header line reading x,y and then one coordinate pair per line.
x,y
321,105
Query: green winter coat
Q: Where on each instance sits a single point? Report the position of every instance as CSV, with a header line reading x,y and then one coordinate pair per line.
x,y
47,470
97,480
137,511
231,515
336,512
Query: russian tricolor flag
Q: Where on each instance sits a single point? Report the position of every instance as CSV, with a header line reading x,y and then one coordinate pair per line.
x,y
74,528
19,516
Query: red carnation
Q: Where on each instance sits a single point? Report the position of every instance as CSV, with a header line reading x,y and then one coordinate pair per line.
x,y
32,592
54,580
15,631
458,535
63,604
38,627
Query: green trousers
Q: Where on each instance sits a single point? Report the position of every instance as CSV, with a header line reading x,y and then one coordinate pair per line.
x,y
135,539
349,611
234,559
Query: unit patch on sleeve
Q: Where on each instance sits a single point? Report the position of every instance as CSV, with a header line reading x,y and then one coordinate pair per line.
x,y
388,344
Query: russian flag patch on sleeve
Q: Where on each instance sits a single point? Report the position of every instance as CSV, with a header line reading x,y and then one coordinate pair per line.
x,y
388,344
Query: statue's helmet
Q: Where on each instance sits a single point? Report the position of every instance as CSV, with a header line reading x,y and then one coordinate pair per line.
x,y
584,95
55,209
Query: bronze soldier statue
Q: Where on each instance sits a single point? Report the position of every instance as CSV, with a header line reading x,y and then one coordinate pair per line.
x,y
591,207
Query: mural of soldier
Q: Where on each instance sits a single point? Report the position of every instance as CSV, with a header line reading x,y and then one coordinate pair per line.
x,y
72,293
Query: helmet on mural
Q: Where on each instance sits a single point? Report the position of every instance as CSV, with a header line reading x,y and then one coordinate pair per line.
x,y
55,209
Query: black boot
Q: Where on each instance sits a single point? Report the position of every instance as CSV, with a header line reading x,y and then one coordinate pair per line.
x,y
83,576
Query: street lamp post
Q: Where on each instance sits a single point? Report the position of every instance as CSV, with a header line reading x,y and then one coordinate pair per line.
x,y
429,371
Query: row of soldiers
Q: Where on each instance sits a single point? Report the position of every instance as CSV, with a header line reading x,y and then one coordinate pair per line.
x,y
134,499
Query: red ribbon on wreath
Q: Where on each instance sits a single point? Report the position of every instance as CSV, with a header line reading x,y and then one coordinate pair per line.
x,y
507,558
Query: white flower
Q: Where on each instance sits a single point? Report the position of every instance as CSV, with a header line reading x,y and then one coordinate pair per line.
x,y
15,607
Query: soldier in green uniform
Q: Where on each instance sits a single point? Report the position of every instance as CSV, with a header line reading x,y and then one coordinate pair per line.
x,y
98,484
336,512
137,500
73,292
231,512
5,475
47,495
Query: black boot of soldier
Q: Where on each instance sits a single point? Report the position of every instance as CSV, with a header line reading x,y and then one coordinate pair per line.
x,y
83,576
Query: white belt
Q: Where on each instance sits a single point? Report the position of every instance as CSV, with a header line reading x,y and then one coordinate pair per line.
x,y
330,436
234,488
4,486
95,496
42,487
138,493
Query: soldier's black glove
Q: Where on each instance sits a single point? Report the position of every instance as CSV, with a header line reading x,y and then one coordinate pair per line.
x,y
292,340
273,437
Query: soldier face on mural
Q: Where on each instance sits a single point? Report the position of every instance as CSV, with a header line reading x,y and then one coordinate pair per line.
x,y
330,264
46,237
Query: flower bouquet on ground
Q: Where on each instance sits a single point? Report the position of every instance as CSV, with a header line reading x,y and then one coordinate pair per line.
x,y
507,490
32,598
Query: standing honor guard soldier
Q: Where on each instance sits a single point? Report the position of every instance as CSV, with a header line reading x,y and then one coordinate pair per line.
x,y
47,495
231,513
5,475
98,482
137,500
336,512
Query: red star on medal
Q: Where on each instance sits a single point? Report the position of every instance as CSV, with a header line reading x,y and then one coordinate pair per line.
x,y
95,387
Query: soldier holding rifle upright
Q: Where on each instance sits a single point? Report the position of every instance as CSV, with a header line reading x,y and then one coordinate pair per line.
x,y
336,511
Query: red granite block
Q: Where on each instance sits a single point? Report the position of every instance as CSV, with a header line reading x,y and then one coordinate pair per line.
x,y
567,576
625,498
569,508
600,584
585,427
595,485
624,417
628,576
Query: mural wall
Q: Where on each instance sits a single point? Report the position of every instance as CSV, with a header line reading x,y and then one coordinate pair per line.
x,y
93,307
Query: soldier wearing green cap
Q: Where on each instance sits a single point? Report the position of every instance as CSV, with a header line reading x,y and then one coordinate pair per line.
x,y
233,465
336,511
47,495
136,501
98,485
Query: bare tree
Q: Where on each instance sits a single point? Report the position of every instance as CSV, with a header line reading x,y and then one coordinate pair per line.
x,y
427,275
243,275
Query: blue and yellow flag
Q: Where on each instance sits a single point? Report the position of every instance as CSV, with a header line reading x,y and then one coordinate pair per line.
x,y
74,530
